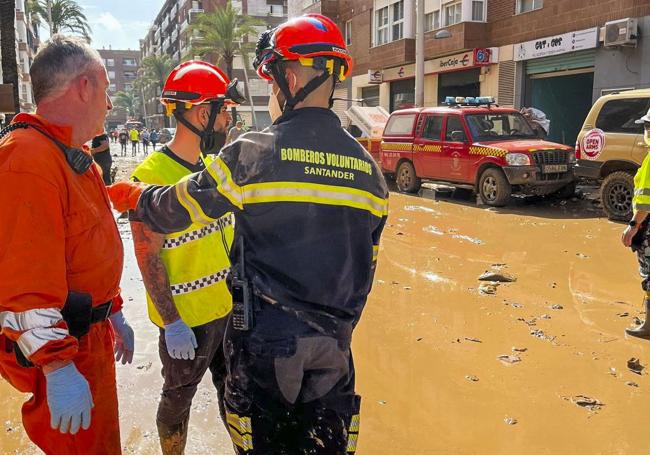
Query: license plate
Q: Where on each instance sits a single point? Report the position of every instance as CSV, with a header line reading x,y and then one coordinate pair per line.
x,y
554,168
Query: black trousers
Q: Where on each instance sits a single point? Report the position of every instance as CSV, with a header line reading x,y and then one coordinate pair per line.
x,y
182,377
105,161
289,389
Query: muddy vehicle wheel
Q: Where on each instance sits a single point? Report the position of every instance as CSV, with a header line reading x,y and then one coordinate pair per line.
x,y
407,180
494,188
616,194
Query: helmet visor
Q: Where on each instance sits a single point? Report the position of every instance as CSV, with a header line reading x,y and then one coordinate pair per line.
x,y
233,95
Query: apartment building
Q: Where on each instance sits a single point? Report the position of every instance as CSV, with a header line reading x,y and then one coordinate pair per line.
x,y
122,68
556,55
26,41
169,34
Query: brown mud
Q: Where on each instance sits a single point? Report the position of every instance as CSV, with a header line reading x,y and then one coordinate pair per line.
x,y
448,364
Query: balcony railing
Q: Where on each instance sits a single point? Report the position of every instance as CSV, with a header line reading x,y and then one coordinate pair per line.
x,y
193,14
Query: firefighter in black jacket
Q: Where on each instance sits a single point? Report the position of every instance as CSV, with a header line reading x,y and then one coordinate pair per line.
x,y
310,205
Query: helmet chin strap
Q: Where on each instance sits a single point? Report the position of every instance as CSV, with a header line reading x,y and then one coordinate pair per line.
x,y
277,71
208,133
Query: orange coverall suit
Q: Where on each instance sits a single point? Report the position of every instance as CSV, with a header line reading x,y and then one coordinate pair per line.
x,y
57,233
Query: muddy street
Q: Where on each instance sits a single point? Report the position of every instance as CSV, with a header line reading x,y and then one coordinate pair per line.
x,y
450,364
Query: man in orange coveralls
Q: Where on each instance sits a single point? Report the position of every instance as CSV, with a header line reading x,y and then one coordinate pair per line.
x,y
61,259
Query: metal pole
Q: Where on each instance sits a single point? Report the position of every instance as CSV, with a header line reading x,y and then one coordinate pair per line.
x,y
250,96
419,54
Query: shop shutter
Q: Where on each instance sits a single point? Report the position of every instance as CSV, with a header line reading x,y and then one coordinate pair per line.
x,y
340,107
506,94
572,61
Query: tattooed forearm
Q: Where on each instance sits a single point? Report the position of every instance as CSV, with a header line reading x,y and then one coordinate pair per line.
x,y
147,251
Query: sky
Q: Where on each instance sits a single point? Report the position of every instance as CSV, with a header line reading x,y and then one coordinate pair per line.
x,y
119,23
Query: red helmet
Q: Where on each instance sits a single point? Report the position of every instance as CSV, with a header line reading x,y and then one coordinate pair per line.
x,y
197,82
303,38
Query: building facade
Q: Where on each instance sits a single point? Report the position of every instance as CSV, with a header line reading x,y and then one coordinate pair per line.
x,y
555,55
170,34
25,44
122,67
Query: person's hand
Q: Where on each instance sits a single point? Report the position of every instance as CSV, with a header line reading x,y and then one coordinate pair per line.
x,y
124,195
180,341
69,399
124,338
628,235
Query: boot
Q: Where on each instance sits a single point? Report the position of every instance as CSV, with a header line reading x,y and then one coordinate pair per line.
x,y
172,438
642,331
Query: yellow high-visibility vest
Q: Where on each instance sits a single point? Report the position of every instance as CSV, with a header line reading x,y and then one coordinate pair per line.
x,y
196,259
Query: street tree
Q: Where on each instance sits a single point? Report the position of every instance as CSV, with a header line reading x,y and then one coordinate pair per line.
x,y
9,61
225,33
128,101
66,15
153,73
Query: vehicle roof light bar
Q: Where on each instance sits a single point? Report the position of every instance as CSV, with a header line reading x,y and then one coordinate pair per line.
x,y
458,101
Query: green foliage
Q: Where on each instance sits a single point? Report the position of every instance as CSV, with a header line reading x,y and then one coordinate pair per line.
x,y
128,101
224,32
154,69
67,15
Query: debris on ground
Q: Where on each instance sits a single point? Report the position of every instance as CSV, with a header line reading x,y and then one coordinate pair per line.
x,y
472,378
510,421
497,277
587,402
634,365
515,349
632,384
530,323
623,315
557,306
506,358
488,288
473,340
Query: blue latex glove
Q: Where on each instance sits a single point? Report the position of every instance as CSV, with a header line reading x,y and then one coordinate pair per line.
x,y
124,339
69,399
180,341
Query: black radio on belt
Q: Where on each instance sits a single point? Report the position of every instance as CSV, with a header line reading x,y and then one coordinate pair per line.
x,y
242,306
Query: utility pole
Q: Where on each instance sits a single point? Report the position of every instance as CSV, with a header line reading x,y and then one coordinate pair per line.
x,y
419,53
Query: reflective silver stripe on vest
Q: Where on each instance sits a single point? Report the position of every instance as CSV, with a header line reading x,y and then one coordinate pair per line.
x,y
184,288
221,223
33,340
30,319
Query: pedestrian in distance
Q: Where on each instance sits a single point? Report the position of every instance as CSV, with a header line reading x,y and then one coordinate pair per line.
x,y
124,137
62,258
101,151
301,189
637,233
134,135
190,310
144,136
154,137
235,132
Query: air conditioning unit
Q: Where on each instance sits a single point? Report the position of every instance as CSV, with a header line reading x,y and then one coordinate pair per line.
x,y
622,32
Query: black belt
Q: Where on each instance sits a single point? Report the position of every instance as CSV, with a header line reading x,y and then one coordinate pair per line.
x,y
101,312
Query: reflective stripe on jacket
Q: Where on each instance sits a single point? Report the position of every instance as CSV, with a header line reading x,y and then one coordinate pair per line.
x,y
309,201
641,200
196,259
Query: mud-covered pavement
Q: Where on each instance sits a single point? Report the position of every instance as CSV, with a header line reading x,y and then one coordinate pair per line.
x,y
447,363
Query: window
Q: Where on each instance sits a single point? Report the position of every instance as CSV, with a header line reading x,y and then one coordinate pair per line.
x,y
276,10
128,62
128,87
433,128
111,75
398,20
112,88
453,14
370,96
618,116
478,9
129,75
523,6
348,33
110,62
381,18
400,125
455,131
432,21
499,127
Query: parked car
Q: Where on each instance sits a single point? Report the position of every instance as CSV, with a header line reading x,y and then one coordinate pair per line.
x,y
166,135
610,148
474,144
